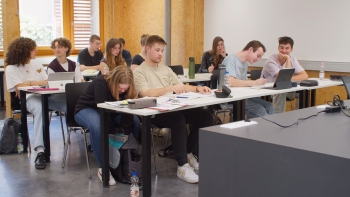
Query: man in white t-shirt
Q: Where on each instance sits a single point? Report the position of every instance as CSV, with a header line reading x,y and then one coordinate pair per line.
x,y
279,61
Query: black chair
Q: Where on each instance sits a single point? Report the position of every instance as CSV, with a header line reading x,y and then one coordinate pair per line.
x,y
255,74
197,68
73,92
178,69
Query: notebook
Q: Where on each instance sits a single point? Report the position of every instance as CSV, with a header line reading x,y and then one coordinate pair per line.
x,y
60,79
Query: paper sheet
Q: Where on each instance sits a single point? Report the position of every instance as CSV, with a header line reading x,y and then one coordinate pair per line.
x,y
238,124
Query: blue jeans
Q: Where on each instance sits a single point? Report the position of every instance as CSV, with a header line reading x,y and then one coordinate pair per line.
x,y
90,118
259,106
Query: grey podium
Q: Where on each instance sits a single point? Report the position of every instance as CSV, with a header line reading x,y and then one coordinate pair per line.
x,y
310,159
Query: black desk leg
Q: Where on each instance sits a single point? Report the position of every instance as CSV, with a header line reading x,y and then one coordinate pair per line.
x,y
2,88
46,125
146,155
313,98
25,133
104,147
303,99
238,112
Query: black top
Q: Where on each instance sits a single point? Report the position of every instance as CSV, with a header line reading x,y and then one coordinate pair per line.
x,y
138,59
207,60
126,54
98,92
86,59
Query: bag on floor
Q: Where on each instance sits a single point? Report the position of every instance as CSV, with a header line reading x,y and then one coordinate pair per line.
x,y
130,161
9,133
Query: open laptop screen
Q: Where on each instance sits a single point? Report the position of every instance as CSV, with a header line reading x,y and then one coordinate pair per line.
x,y
346,81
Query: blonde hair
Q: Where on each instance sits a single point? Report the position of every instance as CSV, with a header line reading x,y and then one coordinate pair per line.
x,y
121,75
143,39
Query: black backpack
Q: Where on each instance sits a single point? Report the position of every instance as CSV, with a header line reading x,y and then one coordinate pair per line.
x,y
8,141
130,161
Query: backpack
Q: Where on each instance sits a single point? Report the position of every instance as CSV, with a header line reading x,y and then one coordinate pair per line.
x,y
130,161
8,141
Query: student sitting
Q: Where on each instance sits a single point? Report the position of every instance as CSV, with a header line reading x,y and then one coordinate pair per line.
x,y
212,58
117,85
139,58
113,56
125,53
276,62
21,72
155,79
237,66
62,49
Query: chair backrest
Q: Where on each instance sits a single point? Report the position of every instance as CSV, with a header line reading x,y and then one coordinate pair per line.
x,y
178,69
73,92
15,102
197,68
255,74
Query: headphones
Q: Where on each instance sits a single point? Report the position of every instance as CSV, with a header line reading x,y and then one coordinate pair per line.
x,y
338,102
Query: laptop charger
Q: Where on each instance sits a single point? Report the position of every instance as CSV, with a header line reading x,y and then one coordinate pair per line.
x,y
332,109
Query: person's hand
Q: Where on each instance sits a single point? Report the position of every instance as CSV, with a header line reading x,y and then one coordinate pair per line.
x,y
283,57
210,68
178,89
18,94
260,82
223,52
204,89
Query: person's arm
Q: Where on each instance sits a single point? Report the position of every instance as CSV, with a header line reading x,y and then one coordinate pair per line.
x,y
83,67
300,76
205,63
245,83
102,66
200,89
285,58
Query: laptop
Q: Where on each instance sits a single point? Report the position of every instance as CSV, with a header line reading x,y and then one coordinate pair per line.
x,y
283,80
60,79
346,81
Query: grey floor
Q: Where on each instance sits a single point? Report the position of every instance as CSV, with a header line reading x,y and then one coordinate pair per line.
x,y
18,176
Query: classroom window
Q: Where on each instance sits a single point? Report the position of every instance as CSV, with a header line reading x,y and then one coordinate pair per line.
x,y
43,21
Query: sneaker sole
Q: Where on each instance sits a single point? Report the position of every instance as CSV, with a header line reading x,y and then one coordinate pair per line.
x,y
100,177
188,181
40,167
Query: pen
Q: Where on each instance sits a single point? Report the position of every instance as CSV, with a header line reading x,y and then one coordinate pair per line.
x,y
181,97
264,76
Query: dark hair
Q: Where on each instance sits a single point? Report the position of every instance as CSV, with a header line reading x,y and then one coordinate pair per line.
x,y
63,42
121,75
122,40
154,39
108,55
285,40
19,51
217,59
255,45
94,37
143,39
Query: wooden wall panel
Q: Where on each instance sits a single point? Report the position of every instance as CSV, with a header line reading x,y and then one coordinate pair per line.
x,y
11,31
142,17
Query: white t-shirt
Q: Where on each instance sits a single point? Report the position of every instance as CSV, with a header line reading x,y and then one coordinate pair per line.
x,y
77,71
29,72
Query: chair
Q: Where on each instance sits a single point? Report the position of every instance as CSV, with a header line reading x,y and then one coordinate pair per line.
x,y
73,92
290,97
178,69
215,110
255,74
197,68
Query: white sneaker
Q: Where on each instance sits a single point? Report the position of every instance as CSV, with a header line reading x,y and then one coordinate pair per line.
x,y
159,132
111,179
187,174
193,161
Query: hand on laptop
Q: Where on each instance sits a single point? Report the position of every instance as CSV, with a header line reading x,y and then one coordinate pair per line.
x,y
259,82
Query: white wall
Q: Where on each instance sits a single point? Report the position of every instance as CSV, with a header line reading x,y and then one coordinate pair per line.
x,y
320,28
